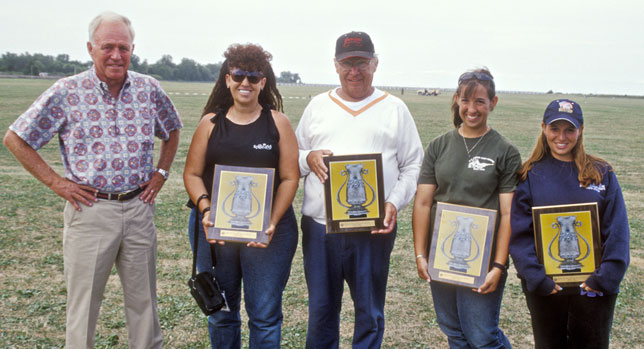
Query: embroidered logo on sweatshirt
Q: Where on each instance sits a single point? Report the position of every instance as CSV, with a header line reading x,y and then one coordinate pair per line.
x,y
479,163
595,187
263,146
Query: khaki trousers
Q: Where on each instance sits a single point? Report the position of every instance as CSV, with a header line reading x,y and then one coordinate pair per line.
x,y
95,239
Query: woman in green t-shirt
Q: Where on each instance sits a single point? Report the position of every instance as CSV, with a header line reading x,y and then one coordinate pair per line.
x,y
472,165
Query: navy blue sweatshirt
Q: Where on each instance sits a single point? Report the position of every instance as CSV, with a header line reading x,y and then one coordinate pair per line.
x,y
554,182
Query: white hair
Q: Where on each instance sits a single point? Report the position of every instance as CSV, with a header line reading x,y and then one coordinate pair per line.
x,y
109,16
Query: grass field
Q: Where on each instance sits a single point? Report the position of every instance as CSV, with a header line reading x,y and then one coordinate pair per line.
x,y
32,290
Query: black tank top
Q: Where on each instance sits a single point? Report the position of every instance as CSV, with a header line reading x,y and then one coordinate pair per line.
x,y
252,145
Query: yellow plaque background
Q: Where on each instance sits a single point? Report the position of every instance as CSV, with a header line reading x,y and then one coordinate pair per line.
x,y
548,233
221,219
479,233
335,168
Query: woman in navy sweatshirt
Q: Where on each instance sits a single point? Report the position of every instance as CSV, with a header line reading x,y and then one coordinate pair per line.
x,y
560,172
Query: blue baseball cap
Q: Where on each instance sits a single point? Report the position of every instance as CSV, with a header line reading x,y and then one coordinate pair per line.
x,y
564,109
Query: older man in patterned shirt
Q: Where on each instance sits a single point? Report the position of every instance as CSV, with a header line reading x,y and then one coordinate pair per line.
x,y
106,119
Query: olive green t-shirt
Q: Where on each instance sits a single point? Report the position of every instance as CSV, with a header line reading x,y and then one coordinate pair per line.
x,y
475,181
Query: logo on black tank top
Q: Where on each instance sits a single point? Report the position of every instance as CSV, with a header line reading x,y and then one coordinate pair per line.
x,y
263,146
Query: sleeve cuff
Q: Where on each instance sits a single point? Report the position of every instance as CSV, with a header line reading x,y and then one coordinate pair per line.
x,y
545,287
592,283
395,200
304,166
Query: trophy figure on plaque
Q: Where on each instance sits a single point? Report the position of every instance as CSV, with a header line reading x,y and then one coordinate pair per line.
x,y
242,202
569,249
356,195
461,244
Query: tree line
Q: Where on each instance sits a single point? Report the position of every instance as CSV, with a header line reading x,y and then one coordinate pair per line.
x,y
163,69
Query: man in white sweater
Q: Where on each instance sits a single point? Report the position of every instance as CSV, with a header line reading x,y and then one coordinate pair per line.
x,y
355,118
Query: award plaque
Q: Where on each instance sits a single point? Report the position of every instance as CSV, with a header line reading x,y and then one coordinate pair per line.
x,y
567,241
354,193
461,244
241,203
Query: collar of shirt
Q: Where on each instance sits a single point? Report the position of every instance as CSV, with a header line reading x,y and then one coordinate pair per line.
x,y
102,85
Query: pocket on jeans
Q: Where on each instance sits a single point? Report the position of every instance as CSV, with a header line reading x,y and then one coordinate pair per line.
x,y
69,213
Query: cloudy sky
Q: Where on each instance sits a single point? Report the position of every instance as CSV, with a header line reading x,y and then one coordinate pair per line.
x,y
566,45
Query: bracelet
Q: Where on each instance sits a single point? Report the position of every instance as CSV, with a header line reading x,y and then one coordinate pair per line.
x,y
420,256
203,196
500,266
203,213
165,174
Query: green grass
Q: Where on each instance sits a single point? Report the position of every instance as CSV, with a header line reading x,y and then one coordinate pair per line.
x,y
32,290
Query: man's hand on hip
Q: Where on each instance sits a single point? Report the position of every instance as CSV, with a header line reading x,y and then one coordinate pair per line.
x,y
74,193
152,188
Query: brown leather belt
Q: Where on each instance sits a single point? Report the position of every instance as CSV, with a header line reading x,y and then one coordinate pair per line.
x,y
119,196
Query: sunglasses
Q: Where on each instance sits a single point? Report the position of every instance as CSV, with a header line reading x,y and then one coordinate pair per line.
x,y
480,76
239,75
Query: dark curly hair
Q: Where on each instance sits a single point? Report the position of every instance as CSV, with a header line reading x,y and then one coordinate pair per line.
x,y
248,57
466,88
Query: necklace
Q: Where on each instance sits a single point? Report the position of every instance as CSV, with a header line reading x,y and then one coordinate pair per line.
x,y
232,116
468,150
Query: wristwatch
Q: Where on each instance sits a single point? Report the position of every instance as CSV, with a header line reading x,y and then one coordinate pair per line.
x,y
163,173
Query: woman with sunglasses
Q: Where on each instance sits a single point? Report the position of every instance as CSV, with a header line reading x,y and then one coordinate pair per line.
x,y
472,165
560,172
241,126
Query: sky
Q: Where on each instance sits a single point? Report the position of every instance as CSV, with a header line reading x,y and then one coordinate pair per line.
x,y
566,46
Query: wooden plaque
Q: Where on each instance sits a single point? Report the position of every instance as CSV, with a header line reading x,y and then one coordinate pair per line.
x,y
354,193
241,203
462,241
567,241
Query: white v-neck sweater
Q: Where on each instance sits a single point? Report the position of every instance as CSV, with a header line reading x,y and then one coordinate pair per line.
x,y
381,123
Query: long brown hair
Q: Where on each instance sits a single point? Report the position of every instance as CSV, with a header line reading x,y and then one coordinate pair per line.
x,y
249,57
589,167
467,87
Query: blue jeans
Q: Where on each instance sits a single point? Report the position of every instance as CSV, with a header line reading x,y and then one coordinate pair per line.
x,y
469,319
264,272
362,259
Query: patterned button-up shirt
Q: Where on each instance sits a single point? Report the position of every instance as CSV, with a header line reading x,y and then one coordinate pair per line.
x,y
105,142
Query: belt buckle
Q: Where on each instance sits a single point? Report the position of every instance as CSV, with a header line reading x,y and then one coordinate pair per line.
x,y
118,197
